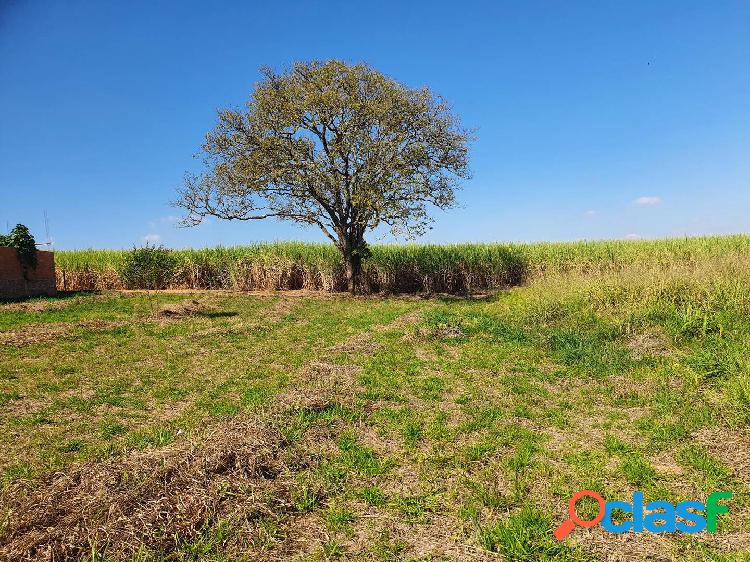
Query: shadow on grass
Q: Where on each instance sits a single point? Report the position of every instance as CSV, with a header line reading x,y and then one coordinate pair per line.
x,y
59,296
216,314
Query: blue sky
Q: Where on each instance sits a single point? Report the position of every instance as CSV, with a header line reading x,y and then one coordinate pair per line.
x,y
594,119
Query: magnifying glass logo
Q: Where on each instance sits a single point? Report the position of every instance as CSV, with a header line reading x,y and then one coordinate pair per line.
x,y
569,524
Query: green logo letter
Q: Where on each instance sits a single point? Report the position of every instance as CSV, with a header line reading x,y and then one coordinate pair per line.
x,y
713,508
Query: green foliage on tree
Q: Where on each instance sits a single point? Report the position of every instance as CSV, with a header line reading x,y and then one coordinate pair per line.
x,y
22,240
149,267
339,146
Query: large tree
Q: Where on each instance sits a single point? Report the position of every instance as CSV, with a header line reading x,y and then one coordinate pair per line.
x,y
335,145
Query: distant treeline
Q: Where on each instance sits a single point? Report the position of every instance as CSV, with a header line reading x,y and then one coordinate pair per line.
x,y
450,268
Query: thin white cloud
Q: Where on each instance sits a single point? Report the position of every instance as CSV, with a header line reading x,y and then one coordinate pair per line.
x,y
589,213
151,238
169,219
647,200
632,236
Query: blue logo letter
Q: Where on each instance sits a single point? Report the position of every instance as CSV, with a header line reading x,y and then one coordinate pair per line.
x,y
668,516
607,523
688,516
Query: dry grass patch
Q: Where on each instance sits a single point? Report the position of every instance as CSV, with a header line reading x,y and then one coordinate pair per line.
x,y
46,304
357,344
319,384
649,344
24,406
730,447
100,324
152,499
627,547
34,334
175,311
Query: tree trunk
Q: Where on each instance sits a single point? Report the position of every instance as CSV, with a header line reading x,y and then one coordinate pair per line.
x,y
353,262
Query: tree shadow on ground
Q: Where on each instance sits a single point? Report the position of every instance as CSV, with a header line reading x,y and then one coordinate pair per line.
x,y
216,313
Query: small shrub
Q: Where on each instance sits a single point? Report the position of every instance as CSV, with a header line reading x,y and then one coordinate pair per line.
x,y
149,267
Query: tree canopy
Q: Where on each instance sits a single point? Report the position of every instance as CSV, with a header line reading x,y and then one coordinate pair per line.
x,y
338,146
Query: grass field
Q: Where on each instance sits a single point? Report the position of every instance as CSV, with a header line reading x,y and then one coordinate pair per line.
x,y
228,426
